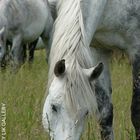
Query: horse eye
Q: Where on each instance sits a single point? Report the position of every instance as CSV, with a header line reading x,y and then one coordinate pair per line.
x,y
54,108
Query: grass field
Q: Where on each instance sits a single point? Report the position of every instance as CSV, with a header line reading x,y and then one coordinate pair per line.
x,y
23,94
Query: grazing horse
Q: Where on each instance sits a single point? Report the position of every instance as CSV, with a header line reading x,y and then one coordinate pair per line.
x,y
75,87
25,21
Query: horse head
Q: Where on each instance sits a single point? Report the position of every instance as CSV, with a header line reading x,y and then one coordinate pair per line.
x,y
66,106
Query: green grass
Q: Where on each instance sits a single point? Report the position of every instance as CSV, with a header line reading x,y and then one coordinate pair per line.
x,y
23,94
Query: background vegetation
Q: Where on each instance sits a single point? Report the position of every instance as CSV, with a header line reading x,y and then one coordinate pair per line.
x,y
23,95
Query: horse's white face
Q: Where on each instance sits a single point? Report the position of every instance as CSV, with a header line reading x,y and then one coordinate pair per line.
x,y
56,119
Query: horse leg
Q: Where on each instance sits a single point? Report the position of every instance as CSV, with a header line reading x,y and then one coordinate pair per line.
x,y
17,52
105,113
2,47
5,57
103,94
47,46
32,47
8,48
135,106
46,34
2,59
24,53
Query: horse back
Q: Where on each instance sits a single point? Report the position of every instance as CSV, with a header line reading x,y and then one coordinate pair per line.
x,y
26,16
119,24
19,12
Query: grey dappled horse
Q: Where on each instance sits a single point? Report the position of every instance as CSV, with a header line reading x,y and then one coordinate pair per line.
x,y
23,22
74,85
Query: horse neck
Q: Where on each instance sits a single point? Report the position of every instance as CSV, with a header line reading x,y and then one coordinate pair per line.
x,y
69,37
70,43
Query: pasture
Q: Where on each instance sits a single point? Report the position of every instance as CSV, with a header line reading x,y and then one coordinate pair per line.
x,y
23,95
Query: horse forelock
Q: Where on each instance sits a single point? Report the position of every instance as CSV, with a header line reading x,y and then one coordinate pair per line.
x,y
69,43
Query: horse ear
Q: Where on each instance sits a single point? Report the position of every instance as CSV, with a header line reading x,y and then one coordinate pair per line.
x,y
59,68
94,72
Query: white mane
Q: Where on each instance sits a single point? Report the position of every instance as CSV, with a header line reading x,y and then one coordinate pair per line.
x,y
70,43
